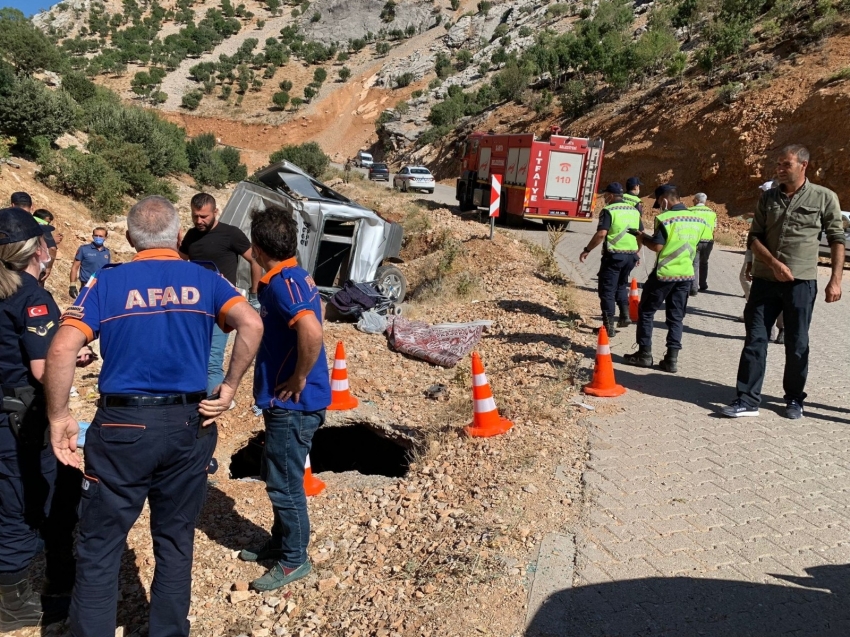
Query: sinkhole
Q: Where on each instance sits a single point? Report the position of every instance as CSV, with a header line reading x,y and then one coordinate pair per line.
x,y
335,449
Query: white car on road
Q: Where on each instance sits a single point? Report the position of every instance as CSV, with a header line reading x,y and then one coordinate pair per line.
x,y
414,178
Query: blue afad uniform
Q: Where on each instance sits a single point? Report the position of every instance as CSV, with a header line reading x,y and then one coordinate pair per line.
x,y
286,294
37,497
154,317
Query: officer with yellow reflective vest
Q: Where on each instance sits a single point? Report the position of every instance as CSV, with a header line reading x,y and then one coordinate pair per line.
x,y
677,233
700,283
632,194
617,222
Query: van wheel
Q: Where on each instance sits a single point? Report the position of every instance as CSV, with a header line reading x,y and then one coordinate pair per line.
x,y
391,283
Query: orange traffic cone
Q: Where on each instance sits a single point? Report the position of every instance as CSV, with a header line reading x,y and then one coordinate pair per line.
x,y
341,398
485,417
634,301
312,485
603,383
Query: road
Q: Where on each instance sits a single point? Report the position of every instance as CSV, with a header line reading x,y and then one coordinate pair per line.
x,y
442,194
701,525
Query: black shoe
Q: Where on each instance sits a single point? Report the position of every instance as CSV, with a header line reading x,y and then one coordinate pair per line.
x,y
739,409
641,358
703,289
19,605
794,410
669,362
780,337
624,321
694,292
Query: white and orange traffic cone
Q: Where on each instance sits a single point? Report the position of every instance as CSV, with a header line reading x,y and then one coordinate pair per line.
x,y
485,417
341,398
312,484
603,383
634,301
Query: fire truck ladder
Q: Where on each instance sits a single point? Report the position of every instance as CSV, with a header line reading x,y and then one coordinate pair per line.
x,y
594,154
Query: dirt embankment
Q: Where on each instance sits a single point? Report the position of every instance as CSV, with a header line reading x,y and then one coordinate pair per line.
x,y
688,136
440,539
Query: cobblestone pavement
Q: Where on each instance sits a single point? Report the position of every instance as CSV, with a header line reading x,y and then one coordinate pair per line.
x,y
700,525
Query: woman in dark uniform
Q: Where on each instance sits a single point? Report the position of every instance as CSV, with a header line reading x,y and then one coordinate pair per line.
x,y
38,499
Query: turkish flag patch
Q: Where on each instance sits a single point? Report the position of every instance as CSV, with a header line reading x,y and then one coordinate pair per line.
x,y
37,310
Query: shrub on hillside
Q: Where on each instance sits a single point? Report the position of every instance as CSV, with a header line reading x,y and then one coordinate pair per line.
x,y
280,99
85,176
404,80
24,46
28,109
192,100
212,166
164,142
308,156
344,74
78,86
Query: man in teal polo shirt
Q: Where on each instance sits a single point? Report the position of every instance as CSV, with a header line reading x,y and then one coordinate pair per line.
x,y
292,387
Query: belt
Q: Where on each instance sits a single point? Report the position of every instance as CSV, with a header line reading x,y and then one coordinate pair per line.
x,y
130,400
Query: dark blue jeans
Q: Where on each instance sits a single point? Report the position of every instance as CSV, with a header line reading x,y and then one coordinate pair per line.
x,y
673,295
795,301
289,436
133,453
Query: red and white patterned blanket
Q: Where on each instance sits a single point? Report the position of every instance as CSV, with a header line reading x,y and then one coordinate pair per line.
x,y
443,344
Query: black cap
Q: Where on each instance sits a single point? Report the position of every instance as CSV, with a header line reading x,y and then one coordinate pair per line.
x,y
21,199
17,225
633,182
663,189
614,188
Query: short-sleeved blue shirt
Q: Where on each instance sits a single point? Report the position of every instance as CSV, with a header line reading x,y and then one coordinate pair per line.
x,y
91,260
155,318
286,293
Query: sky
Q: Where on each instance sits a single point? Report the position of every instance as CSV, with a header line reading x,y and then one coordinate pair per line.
x,y
29,7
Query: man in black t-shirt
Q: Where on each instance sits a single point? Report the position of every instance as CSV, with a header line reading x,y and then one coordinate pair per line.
x,y
221,244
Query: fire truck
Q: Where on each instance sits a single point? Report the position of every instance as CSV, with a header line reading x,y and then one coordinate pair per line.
x,y
555,180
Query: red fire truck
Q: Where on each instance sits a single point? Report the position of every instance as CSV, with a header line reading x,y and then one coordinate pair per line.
x,y
553,180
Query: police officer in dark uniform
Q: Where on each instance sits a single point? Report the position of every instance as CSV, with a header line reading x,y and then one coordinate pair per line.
x,y
617,221
38,500
153,435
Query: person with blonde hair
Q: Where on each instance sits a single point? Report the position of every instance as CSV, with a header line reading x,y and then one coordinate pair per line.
x,y
38,498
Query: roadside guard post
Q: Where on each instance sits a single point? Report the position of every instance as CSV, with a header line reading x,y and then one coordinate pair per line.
x,y
495,201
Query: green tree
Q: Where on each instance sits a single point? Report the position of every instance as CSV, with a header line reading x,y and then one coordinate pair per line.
x,y
404,79
28,109
388,12
320,75
24,46
192,100
382,48
280,99
285,85
296,103
309,157
511,81
78,86
310,92
344,74
463,59
443,65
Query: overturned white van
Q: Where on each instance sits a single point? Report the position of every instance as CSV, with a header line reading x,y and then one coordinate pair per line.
x,y
339,240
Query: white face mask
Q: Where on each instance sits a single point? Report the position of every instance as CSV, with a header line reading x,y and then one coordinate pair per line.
x,y
42,265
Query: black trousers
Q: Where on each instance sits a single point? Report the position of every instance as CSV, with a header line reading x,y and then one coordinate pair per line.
x,y
38,507
795,300
704,249
673,295
614,282
135,453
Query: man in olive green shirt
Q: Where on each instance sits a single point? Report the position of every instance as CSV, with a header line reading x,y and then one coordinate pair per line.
x,y
784,239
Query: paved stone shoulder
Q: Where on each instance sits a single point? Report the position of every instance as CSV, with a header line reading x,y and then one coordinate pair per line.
x,y
700,525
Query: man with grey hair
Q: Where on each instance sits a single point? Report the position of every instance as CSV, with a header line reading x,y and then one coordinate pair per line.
x,y
704,247
784,239
154,433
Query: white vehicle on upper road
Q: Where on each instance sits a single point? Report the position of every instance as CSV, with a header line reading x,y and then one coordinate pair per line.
x,y
363,159
414,178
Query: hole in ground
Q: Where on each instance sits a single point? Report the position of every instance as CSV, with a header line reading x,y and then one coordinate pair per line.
x,y
336,449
